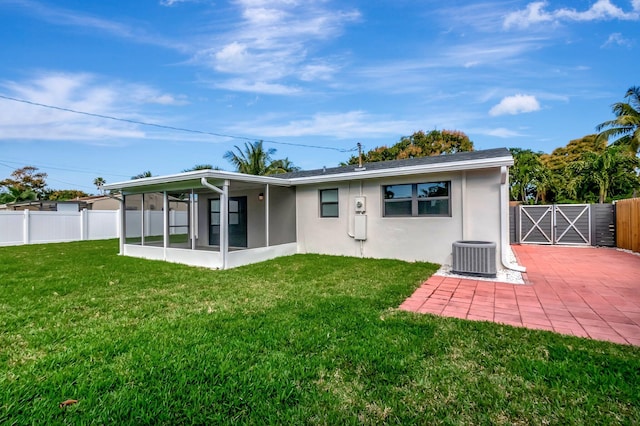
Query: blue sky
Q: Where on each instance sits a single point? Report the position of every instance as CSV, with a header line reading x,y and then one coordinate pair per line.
x,y
304,73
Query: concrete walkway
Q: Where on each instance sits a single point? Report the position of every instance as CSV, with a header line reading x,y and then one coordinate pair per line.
x,y
581,291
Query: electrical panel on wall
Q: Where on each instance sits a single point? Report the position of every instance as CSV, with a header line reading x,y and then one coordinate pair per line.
x,y
360,204
360,227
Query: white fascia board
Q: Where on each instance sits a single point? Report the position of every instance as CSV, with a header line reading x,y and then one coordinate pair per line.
x,y
485,163
195,176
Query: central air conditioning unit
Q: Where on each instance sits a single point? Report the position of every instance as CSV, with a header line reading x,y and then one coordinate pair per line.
x,y
476,258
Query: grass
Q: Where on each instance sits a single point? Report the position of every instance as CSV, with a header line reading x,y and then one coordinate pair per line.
x,y
305,339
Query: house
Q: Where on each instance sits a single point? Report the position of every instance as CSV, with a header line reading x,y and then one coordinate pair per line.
x,y
411,209
46,206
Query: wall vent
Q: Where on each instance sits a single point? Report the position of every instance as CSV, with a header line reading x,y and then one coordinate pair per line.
x,y
476,258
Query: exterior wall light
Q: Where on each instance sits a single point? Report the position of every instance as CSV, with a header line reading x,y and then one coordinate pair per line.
x,y
261,196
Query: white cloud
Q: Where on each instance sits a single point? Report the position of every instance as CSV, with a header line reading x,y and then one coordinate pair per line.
x,y
72,18
536,13
273,43
174,2
261,87
352,124
617,39
79,92
499,132
516,104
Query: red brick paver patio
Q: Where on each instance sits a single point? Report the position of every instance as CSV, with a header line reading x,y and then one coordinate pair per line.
x,y
581,291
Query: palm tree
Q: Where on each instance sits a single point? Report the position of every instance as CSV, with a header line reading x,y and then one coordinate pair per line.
x,y
283,166
142,175
254,160
201,167
626,125
601,171
99,183
15,195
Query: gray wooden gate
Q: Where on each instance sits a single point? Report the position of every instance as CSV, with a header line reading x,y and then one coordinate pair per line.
x,y
555,224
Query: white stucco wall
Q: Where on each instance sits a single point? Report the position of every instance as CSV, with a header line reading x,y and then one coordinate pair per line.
x,y
475,215
282,215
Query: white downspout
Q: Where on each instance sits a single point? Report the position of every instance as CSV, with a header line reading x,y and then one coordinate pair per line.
x,y
463,202
504,223
224,214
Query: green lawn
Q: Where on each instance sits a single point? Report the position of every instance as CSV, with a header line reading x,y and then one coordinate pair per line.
x,y
299,340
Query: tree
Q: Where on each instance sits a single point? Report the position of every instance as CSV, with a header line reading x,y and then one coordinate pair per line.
x,y
99,182
283,166
564,185
601,174
64,194
15,195
419,144
201,167
626,126
25,180
529,178
142,175
256,160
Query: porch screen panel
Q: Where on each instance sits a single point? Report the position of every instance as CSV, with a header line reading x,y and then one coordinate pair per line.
x,y
179,223
153,219
133,219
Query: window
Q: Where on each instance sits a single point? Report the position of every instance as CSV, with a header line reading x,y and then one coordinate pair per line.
x,y
329,202
417,199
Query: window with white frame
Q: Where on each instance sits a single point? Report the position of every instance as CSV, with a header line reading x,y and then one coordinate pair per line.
x,y
329,202
417,199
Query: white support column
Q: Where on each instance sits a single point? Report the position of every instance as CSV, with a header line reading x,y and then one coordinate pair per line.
x,y
266,215
123,226
193,219
165,220
142,220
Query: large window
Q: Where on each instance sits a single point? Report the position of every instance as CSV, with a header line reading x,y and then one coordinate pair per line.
x,y
329,202
417,199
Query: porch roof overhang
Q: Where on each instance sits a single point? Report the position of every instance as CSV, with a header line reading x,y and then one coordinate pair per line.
x,y
193,180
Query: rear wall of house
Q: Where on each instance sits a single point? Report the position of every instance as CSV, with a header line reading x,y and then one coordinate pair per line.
x,y
475,215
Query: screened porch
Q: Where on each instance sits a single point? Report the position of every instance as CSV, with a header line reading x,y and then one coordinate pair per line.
x,y
208,219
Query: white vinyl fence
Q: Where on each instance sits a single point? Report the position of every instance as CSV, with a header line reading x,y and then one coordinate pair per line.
x,y
36,227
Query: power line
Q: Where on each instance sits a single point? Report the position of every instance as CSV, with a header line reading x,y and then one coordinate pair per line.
x,y
162,126
64,169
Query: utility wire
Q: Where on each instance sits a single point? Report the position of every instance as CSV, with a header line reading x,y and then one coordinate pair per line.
x,y
162,126
64,169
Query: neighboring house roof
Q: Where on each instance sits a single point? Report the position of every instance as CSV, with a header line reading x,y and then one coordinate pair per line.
x,y
448,162
43,205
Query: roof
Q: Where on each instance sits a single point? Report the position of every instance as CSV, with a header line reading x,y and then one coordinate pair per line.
x,y
394,164
483,159
447,162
